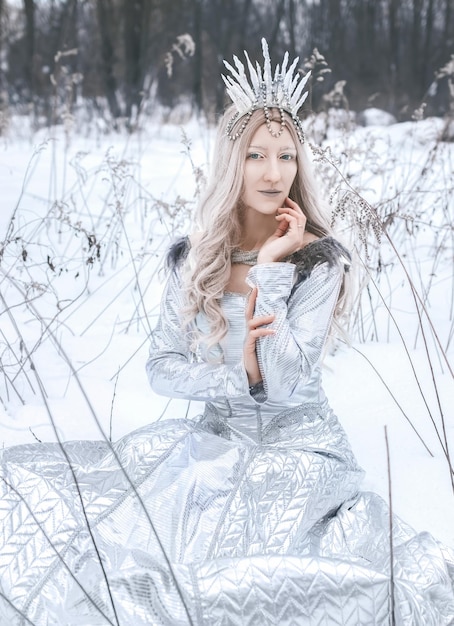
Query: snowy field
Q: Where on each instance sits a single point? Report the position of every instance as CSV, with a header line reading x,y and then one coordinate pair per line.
x,y
84,223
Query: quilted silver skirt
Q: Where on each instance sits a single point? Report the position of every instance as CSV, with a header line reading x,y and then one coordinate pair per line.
x,y
194,523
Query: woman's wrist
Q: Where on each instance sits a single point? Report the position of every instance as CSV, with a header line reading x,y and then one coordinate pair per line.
x,y
254,387
265,259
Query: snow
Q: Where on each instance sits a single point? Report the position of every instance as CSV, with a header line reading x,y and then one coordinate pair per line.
x,y
84,319
375,117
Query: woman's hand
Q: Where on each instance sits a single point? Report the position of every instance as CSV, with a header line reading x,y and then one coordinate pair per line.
x,y
255,330
289,235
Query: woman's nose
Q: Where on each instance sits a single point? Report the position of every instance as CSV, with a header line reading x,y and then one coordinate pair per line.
x,y
272,172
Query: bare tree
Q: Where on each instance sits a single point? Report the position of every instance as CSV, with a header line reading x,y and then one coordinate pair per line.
x,y
427,53
3,63
29,70
197,11
416,38
136,20
448,31
393,28
105,14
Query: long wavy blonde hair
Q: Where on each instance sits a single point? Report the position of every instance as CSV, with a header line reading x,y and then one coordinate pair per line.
x,y
217,228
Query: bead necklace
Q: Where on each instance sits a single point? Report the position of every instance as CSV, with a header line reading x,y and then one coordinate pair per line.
x,y
247,257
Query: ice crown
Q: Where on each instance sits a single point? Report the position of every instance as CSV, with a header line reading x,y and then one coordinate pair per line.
x,y
284,90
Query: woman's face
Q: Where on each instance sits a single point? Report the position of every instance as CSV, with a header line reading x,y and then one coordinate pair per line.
x,y
269,171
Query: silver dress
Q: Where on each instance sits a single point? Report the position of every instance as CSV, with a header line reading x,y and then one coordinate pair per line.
x,y
249,515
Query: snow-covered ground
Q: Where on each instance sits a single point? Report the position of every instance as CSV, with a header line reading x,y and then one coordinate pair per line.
x,y
80,289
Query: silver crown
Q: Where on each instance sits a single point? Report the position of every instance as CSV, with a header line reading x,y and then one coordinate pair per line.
x,y
284,91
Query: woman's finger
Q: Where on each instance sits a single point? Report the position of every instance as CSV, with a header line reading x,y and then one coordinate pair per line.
x,y
299,217
282,226
261,332
294,208
285,210
292,226
293,205
250,306
261,320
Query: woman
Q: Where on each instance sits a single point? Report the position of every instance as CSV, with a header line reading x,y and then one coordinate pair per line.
x,y
249,514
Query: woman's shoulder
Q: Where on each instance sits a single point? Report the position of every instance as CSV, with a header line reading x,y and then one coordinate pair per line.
x,y
320,250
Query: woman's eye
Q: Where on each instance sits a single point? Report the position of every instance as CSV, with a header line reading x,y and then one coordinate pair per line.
x,y
287,157
253,155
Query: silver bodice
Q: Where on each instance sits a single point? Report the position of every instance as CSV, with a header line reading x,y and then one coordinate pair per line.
x,y
289,360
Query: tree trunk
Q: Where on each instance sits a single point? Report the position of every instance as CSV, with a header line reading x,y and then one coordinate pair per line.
x,y
416,37
427,56
198,55
447,36
292,25
336,27
243,25
4,104
276,26
393,51
132,15
104,10
29,73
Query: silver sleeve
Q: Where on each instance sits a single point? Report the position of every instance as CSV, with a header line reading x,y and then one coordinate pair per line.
x,y
174,370
303,315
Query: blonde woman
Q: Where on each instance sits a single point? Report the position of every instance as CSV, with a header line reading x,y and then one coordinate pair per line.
x,y
250,514
252,299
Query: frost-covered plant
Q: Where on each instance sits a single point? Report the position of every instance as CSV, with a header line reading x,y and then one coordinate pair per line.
x,y
106,224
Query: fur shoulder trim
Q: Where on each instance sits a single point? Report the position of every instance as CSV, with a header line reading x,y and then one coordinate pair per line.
x,y
177,252
324,250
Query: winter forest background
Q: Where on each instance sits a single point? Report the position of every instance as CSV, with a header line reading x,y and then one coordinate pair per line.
x,y
119,58
107,115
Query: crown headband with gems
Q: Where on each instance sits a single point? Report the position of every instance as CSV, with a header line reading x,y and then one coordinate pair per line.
x,y
284,92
